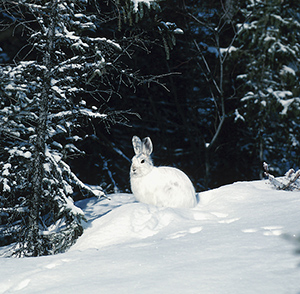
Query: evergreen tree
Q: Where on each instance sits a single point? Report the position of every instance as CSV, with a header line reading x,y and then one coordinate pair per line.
x,y
46,101
268,55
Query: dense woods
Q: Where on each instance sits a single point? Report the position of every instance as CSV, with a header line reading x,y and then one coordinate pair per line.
x,y
214,84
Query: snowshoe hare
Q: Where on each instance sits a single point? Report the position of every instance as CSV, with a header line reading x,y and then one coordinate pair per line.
x,y
160,186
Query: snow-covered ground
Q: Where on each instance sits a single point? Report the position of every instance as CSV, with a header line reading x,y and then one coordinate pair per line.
x,y
232,242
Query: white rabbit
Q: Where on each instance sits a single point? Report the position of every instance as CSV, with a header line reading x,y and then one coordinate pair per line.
x,y
160,186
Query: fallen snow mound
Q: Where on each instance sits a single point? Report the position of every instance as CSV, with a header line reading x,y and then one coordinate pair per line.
x,y
231,242
255,206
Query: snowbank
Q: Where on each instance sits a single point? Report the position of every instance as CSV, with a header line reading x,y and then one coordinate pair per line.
x,y
231,242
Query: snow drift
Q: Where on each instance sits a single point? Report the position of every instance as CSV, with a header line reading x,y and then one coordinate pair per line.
x,y
231,242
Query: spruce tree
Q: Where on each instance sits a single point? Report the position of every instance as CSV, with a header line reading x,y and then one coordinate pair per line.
x,y
46,99
267,58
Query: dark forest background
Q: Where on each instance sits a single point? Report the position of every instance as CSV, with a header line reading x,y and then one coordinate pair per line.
x,y
182,115
215,84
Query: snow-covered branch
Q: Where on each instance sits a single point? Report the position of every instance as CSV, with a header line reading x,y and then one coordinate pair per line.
x,y
82,112
289,182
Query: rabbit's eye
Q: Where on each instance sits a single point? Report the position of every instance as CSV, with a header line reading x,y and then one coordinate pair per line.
x,y
143,160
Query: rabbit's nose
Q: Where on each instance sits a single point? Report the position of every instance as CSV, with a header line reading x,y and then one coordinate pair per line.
x,y
133,168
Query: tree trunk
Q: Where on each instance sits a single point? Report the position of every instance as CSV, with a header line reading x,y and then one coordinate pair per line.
x,y
41,134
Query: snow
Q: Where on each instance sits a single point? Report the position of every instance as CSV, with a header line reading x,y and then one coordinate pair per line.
x,y
238,116
83,111
231,242
108,41
15,151
282,98
5,184
136,3
287,70
286,104
178,31
229,49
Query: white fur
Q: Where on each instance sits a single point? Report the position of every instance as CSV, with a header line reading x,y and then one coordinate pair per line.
x,y
160,186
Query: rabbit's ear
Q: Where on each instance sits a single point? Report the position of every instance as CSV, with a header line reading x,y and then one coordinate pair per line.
x,y
147,146
137,144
